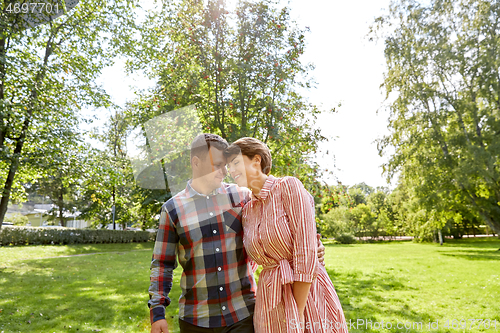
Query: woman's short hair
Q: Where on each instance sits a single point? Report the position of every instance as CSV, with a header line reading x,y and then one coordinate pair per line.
x,y
250,147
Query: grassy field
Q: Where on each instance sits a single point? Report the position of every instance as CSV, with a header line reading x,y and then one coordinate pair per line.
x,y
398,282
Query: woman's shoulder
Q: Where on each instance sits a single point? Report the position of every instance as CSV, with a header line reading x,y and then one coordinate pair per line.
x,y
289,181
293,187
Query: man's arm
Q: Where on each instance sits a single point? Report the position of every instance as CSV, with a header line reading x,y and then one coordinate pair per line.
x,y
163,264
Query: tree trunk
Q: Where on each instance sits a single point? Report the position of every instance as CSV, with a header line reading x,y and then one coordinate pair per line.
x,y
494,225
60,202
12,171
3,129
3,209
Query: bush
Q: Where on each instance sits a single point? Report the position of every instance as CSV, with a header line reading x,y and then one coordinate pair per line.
x,y
346,239
18,219
337,222
10,235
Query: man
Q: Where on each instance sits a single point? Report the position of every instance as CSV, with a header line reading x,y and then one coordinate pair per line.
x,y
201,226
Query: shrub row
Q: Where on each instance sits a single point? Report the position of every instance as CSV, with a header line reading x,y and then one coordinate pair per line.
x,y
11,235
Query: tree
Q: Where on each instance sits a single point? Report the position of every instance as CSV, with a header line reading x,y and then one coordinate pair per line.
x,y
47,73
366,189
357,195
332,197
442,75
241,69
64,176
337,222
377,200
364,220
109,180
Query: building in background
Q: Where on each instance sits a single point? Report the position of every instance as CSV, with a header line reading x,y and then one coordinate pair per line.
x,y
38,215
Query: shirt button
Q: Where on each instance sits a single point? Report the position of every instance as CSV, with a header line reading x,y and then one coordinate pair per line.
x,y
208,197
217,249
221,288
215,231
223,307
219,269
211,214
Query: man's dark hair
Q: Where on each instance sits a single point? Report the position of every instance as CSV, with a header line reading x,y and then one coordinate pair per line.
x,y
202,143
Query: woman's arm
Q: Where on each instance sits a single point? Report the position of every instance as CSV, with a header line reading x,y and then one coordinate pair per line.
x,y
297,205
300,292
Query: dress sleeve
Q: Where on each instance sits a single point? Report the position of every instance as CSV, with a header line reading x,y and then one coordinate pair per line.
x,y
300,212
163,264
253,265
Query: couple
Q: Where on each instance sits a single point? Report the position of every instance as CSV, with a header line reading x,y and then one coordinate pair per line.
x,y
211,226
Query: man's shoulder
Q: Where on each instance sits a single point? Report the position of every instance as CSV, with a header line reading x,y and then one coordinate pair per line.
x,y
170,204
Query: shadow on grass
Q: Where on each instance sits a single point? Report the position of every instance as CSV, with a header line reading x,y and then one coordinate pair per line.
x,y
481,248
371,298
72,249
482,242
474,254
102,292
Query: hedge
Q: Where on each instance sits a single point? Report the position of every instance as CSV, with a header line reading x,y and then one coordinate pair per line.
x,y
11,235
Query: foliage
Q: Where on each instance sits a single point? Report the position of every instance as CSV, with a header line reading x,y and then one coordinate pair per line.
x,y
345,239
377,201
357,195
109,180
442,78
64,175
358,210
18,219
364,188
364,221
47,74
338,221
332,197
241,68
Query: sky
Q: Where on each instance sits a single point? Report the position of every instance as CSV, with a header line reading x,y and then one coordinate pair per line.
x,y
349,70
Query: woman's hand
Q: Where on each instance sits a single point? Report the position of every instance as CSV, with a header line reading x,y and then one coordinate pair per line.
x,y
159,326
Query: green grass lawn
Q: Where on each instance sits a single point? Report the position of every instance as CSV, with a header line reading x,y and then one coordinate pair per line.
x,y
392,282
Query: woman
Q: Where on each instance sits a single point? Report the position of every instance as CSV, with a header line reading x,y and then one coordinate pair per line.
x,y
295,293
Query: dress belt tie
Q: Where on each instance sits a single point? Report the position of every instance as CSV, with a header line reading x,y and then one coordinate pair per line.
x,y
279,275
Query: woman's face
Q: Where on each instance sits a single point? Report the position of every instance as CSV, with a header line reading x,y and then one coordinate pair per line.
x,y
242,169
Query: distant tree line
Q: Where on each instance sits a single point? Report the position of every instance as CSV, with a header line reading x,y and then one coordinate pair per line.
x,y
347,212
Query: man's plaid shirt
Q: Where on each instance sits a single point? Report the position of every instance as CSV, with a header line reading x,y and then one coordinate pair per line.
x,y
206,235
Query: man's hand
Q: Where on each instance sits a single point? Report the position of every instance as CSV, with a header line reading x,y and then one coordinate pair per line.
x,y
321,250
159,326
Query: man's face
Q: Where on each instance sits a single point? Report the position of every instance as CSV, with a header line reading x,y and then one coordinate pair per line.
x,y
212,168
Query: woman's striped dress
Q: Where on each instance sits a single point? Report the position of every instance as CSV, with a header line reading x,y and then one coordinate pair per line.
x,y
280,234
